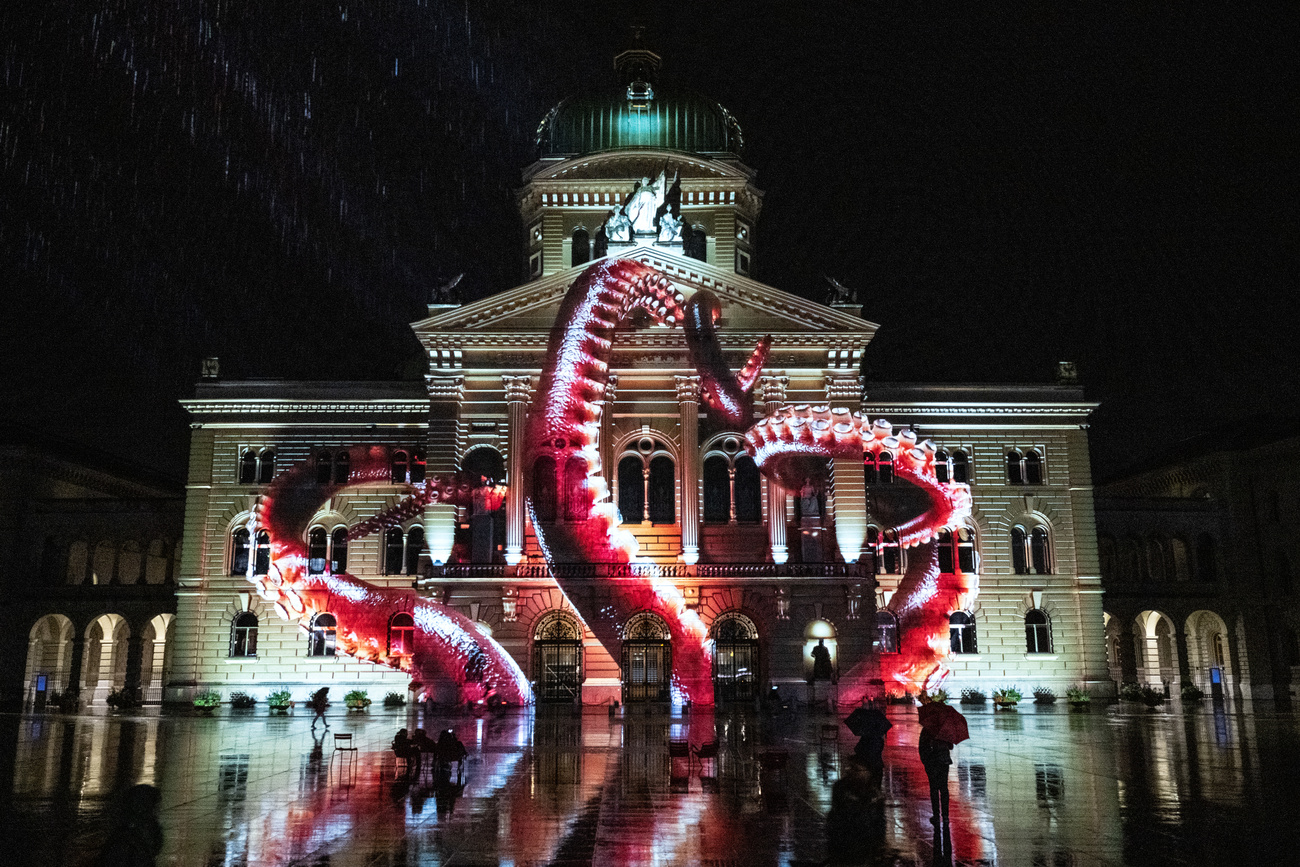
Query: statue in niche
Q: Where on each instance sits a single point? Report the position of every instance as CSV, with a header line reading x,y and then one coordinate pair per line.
x,y
652,209
809,506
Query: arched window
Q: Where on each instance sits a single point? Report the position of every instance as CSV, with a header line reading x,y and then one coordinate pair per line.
x,y
956,549
324,467
1015,468
749,491
239,552
946,551
247,467
262,563
79,560
581,246
400,466
1129,560
557,658
941,466
1106,550
878,469
341,468
1156,560
885,464
1033,468
889,559
545,492
663,490
317,550
266,466
418,467
393,551
631,489
717,490
339,550
414,548
1180,566
886,631
576,496
961,632
401,635
1038,632
1206,561
695,242
1019,552
243,635
321,638
735,657
960,467
1040,551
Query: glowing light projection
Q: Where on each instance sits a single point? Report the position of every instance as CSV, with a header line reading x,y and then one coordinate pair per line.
x,y
795,443
447,645
562,453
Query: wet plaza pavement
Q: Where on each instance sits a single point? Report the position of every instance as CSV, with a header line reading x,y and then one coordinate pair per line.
x,y
1037,786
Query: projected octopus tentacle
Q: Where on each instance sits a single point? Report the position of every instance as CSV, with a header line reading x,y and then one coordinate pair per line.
x,y
561,442
793,445
447,645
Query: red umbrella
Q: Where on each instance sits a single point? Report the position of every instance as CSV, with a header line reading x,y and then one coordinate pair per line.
x,y
944,722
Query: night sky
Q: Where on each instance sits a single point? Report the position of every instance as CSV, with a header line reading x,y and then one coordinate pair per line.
x,y
283,184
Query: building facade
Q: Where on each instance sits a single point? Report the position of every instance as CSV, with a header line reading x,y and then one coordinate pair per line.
x,y
1198,565
634,172
88,566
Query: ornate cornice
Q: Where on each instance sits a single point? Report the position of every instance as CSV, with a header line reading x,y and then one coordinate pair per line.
x,y
264,406
979,409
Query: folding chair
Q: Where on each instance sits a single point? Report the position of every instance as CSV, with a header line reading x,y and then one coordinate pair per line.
x,y
346,753
707,753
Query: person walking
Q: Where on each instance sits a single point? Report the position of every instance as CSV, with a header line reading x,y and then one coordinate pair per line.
x,y
320,700
936,757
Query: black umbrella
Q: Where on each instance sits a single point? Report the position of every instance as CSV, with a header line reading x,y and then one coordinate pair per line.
x,y
865,721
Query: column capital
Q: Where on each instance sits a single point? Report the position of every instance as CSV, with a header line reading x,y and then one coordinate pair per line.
x,y
688,389
774,388
518,388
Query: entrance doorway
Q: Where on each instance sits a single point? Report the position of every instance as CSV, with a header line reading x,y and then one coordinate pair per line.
x,y
557,659
735,658
647,659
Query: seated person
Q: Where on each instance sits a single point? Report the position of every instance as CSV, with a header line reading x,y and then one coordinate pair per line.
x,y
450,749
405,748
424,744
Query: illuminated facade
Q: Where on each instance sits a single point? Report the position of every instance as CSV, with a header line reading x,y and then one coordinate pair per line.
x,y
768,574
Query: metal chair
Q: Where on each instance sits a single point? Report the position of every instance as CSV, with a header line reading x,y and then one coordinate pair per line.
x,y
707,753
679,750
346,753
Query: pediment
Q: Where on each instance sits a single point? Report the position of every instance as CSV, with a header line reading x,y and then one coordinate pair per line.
x,y
748,307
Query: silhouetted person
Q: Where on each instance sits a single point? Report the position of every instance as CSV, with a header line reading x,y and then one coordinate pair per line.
x,y
319,702
136,840
821,661
870,750
404,748
936,757
450,749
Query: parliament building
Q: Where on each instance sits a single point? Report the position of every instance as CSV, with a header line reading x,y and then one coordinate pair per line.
x,y
634,170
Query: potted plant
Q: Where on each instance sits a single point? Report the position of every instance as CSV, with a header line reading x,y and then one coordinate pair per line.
x,y
121,699
1044,695
394,699
1190,692
357,699
971,695
242,701
1150,696
66,701
279,701
1006,698
1078,697
207,701
939,696
1130,692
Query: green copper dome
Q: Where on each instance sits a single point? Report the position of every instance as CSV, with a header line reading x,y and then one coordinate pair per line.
x,y
636,115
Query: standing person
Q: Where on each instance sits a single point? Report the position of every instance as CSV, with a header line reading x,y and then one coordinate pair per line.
x,y
936,756
873,725
320,700
137,838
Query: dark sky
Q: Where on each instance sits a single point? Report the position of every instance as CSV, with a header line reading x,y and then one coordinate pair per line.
x,y
282,184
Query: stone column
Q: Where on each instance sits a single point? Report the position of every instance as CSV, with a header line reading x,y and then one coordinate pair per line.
x,y
517,391
1180,650
688,406
78,657
134,660
773,398
606,449
1127,653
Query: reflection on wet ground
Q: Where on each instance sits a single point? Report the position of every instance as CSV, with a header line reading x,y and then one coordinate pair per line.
x,y
1040,786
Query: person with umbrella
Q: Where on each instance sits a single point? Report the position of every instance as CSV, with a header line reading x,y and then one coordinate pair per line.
x,y
870,724
942,727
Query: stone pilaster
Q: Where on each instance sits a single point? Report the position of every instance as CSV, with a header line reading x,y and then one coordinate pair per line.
x,y
517,393
773,390
688,405
606,449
